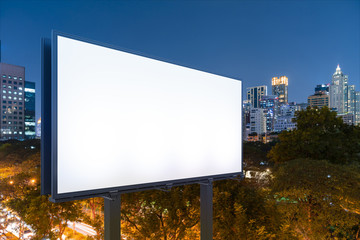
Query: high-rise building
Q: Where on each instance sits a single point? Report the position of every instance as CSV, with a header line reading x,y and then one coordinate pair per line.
x,y
254,95
322,89
271,104
258,120
29,117
351,100
38,128
339,92
12,101
280,88
357,108
321,97
284,123
319,100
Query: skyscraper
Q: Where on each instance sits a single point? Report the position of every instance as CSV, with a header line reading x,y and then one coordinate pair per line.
x,y
321,97
12,101
29,117
280,88
271,104
357,108
339,92
254,95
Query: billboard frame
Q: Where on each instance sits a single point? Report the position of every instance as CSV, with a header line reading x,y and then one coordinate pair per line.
x,y
55,197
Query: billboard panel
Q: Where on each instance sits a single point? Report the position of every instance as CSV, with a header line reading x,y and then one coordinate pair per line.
x,y
122,121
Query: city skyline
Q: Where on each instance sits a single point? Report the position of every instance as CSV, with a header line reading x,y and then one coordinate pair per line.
x,y
303,40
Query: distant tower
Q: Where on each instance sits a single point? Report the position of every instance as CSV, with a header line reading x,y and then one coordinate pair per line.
x,y
29,117
280,89
254,95
38,128
12,79
339,92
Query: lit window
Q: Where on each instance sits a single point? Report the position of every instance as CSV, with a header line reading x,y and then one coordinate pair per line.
x,y
4,91
9,122
20,98
20,93
15,132
9,86
4,76
4,96
15,98
20,78
4,86
9,97
9,92
20,132
15,78
15,93
20,88
9,77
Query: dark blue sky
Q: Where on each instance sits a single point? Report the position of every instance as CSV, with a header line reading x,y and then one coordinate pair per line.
x,y
250,40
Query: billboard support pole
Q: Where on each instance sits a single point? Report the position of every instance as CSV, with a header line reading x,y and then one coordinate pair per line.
x,y
112,206
206,210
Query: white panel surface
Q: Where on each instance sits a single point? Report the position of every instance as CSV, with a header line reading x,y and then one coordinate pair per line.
x,y
124,120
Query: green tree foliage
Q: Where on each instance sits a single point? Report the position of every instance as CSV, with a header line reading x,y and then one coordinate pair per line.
x,y
20,191
317,199
243,212
161,214
320,134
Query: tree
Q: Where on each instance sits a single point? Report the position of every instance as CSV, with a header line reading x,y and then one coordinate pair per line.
x,y
161,214
318,199
320,134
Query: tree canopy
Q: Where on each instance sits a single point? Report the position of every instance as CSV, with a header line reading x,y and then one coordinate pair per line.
x,y
320,134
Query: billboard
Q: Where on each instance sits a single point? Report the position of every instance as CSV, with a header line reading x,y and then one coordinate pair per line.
x,y
125,122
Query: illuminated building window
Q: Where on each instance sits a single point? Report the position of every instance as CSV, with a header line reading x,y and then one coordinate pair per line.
x,y
9,86
20,93
20,78
20,98
9,92
4,86
9,77
15,93
15,98
4,96
20,88
4,91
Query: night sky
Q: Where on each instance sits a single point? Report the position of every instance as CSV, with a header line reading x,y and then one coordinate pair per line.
x,y
249,40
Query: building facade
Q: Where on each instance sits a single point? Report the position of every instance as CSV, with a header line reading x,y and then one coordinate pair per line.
x,y
319,100
254,95
339,92
29,117
280,88
258,120
12,101
284,123
271,104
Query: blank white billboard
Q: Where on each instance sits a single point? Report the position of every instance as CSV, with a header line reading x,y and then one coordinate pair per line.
x,y
125,120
